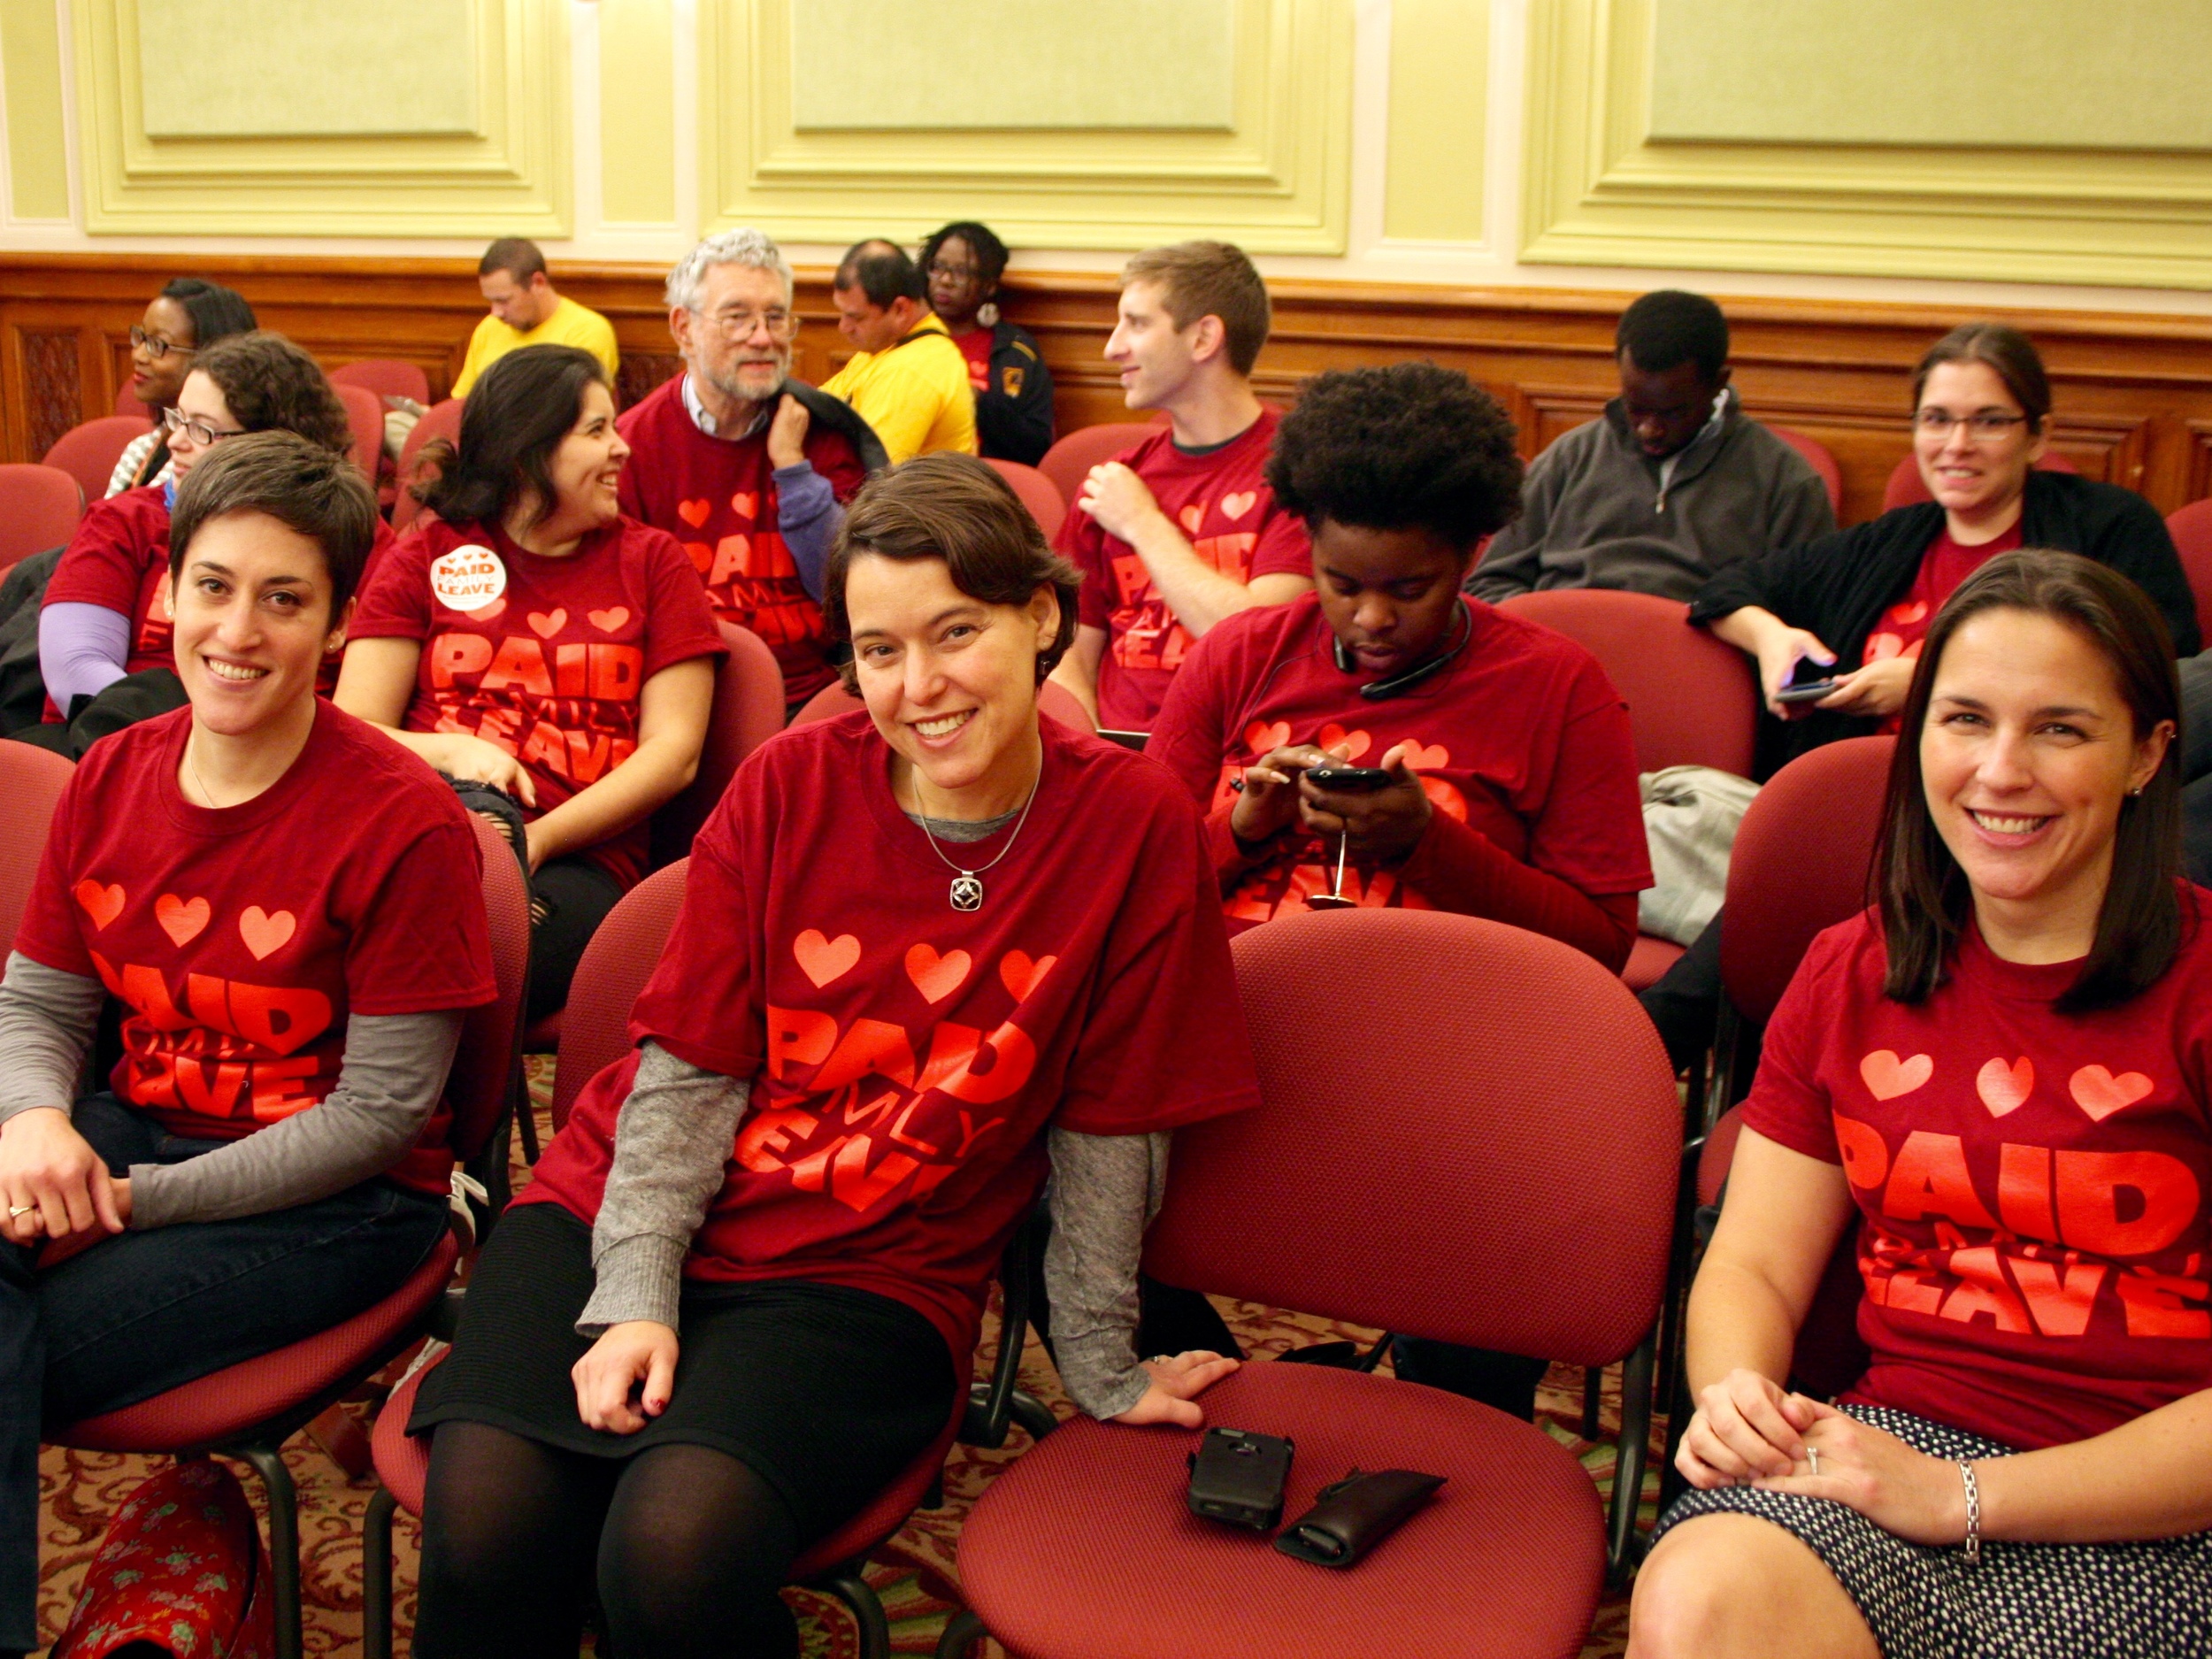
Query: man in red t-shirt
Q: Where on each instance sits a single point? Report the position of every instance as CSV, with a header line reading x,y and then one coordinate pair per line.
x,y
747,467
1183,530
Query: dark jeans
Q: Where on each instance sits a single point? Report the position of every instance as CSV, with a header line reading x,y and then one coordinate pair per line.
x,y
143,1312
569,898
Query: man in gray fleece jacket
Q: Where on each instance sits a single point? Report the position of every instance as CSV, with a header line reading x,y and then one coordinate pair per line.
x,y
1672,483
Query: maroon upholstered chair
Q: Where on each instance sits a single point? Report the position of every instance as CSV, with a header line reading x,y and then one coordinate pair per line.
x,y
364,415
39,508
443,421
248,1410
387,377
126,403
1822,459
1068,462
1906,486
1503,1175
615,965
88,452
31,781
2191,527
1038,493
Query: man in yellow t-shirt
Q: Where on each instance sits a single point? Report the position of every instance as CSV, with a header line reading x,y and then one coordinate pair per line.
x,y
526,311
908,380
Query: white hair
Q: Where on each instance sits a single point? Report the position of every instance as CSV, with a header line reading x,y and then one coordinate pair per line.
x,y
744,246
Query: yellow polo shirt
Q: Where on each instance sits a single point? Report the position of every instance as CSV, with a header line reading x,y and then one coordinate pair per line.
x,y
569,325
916,395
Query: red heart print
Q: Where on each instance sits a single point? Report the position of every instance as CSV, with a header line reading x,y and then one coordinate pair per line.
x,y
1261,737
1353,743
1446,797
936,977
1888,1077
823,960
608,620
103,904
702,555
180,919
1429,759
264,933
2004,1088
1192,517
1905,615
1237,505
1020,974
742,504
2100,1093
485,613
1882,647
693,512
544,626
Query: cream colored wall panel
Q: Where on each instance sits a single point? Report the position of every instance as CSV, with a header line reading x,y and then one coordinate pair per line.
x,y
637,126
278,69
1011,64
1439,69
509,176
1277,179
1599,189
30,56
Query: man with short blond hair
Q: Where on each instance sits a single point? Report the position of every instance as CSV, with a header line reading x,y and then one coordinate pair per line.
x,y
526,311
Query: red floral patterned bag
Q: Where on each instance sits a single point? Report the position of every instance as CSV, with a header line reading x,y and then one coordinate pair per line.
x,y
183,1568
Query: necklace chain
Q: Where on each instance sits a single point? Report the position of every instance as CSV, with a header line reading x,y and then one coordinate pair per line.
x,y
206,793
966,893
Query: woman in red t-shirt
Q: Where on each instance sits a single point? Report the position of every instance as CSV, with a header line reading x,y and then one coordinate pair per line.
x,y
919,945
285,906
2001,1077
553,657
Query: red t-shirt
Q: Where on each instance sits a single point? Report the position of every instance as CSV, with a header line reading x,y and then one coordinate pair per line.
x,y
905,1056
977,345
1903,627
549,667
1522,739
241,940
2032,1184
119,559
718,497
1219,500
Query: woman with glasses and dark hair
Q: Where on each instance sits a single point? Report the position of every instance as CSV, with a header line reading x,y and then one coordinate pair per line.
x,y
1013,389
552,656
1999,1077
187,314
106,610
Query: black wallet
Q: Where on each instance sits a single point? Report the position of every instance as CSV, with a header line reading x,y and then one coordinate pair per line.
x,y
1351,1515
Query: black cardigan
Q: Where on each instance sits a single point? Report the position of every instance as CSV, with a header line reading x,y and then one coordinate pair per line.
x,y
1838,586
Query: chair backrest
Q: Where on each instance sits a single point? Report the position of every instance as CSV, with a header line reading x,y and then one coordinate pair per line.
x,y
1068,462
1056,700
1038,493
89,453
1906,486
615,965
748,710
365,414
1822,459
1693,701
484,1075
443,421
2191,527
826,705
387,377
31,781
1799,864
127,403
39,508
1467,1131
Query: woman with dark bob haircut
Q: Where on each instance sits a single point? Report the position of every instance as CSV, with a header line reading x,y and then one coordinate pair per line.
x,y
1999,1076
925,949
553,657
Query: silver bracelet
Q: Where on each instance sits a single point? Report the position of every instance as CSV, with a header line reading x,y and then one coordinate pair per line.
x,y
1973,1514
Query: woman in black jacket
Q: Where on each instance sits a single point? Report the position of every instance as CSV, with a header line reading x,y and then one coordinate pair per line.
x,y
1013,389
1860,599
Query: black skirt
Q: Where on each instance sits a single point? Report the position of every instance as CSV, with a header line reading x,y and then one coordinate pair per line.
x,y
825,1392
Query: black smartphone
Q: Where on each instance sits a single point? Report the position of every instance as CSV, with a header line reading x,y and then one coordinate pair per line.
x,y
1238,1477
1351,779
1809,683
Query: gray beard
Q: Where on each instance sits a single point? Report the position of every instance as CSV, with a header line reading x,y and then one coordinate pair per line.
x,y
731,389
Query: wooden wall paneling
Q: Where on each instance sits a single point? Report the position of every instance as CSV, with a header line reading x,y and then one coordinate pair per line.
x,y
2200,459
52,384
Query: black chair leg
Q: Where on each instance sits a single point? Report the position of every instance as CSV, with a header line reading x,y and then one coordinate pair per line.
x,y
1628,1467
963,1630
376,1576
848,1586
284,1541
1593,1399
526,1121
1033,1413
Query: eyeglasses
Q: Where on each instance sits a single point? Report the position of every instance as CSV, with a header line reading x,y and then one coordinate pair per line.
x,y
1940,423
155,347
782,326
198,431
952,273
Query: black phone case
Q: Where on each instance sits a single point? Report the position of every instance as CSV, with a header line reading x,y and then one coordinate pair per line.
x,y
1355,1514
1350,780
1238,1477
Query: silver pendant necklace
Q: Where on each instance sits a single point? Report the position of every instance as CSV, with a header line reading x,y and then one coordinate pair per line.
x,y
967,885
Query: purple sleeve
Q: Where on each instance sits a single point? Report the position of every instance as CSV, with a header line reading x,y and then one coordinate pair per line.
x,y
809,518
81,649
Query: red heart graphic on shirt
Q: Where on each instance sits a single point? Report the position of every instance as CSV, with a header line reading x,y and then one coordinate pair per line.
x,y
1905,615
2004,1088
607,621
1192,517
485,613
1445,798
180,920
103,904
1260,737
264,932
1237,505
1020,975
936,977
821,959
693,512
1881,646
742,504
1428,759
1353,743
2100,1093
702,555
544,626
1888,1077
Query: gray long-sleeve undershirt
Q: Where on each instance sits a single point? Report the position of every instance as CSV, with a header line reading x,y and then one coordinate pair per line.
x,y
393,1071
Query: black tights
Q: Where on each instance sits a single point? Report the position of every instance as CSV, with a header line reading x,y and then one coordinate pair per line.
x,y
687,1545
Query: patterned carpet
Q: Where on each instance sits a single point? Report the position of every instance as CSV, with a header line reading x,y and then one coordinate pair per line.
x,y
914,1573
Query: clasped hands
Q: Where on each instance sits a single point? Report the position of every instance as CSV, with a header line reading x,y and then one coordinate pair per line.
x,y
1748,1430
1384,823
50,1173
